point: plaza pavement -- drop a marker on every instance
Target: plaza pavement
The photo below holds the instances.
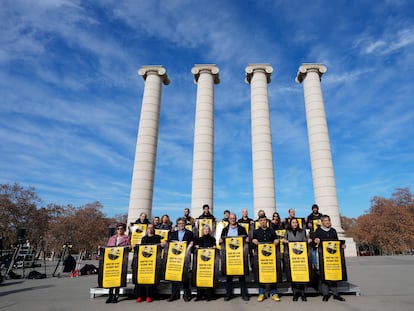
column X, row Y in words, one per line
column 386, row 283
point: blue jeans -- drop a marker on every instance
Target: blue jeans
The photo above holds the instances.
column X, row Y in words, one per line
column 272, row 291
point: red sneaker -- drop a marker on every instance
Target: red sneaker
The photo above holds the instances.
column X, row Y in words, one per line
column 148, row 299
column 139, row 299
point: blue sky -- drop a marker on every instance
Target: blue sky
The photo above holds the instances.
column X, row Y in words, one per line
column 70, row 97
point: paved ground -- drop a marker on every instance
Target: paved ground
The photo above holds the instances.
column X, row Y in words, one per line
column 386, row 283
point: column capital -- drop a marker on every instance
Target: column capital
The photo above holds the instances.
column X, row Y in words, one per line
column 210, row 68
column 251, row 68
column 144, row 71
column 305, row 68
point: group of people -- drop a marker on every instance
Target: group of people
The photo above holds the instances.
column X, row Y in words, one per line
column 313, row 230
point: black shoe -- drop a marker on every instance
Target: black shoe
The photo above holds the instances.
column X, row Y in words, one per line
column 186, row 298
column 171, row 298
column 337, row 297
column 115, row 299
column 227, row 298
column 109, row 300
column 245, row 298
column 304, row 298
column 326, row 297
column 295, row 298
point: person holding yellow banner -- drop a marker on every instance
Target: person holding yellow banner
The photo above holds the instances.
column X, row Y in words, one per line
column 248, row 224
column 205, row 241
column 265, row 234
column 326, row 233
column 119, row 239
column 148, row 290
column 235, row 230
column 314, row 219
column 181, row 234
column 296, row 234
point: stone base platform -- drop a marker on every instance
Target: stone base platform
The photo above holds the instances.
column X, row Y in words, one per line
column 284, row 288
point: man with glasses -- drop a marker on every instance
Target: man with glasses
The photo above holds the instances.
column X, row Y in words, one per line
column 234, row 230
column 181, row 234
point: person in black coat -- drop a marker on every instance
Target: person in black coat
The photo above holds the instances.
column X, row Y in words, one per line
column 265, row 234
column 206, row 240
column 326, row 233
column 181, row 234
column 232, row 230
column 148, row 291
column 314, row 216
column 206, row 213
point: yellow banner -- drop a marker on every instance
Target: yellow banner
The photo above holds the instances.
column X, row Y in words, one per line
column 256, row 225
column 300, row 222
column 205, row 267
column 281, row 235
column 316, row 223
column 175, row 261
column 112, row 267
column 189, row 227
column 137, row 232
column 163, row 234
column 267, row 263
column 147, row 264
column 332, row 260
column 220, row 225
column 299, row 263
column 234, row 256
column 202, row 222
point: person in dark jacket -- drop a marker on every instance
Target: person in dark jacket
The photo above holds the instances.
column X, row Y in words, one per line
column 315, row 216
column 326, row 233
column 148, row 291
column 143, row 219
column 264, row 234
column 232, row 230
column 206, row 240
column 296, row 234
column 276, row 223
column 206, row 213
column 181, row 234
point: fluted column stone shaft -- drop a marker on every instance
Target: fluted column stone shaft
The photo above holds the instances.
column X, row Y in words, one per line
column 205, row 76
column 146, row 148
column 258, row 76
column 320, row 150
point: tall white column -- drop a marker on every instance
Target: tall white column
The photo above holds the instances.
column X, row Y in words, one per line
column 205, row 76
column 142, row 186
column 324, row 186
column 258, row 76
